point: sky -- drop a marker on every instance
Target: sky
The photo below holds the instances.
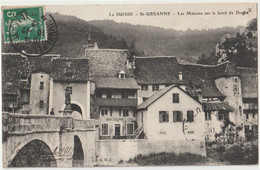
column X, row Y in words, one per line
column 178, row 22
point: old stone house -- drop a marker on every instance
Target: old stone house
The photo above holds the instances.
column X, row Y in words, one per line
column 17, row 74
column 172, row 114
column 209, row 83
column 71, row 75
column 39, row 85
column 114, row 100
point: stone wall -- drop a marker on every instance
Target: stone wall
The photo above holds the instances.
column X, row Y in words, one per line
column 56, row 132
column 110, row 152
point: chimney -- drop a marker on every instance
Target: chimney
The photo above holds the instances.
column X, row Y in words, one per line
column 180, row 76
column 199, row 94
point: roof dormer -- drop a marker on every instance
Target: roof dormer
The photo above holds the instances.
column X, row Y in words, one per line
column 121, row 74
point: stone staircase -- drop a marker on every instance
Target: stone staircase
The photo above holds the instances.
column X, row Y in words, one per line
column 139, row 133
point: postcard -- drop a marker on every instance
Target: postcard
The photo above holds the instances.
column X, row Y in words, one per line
column 166, row 84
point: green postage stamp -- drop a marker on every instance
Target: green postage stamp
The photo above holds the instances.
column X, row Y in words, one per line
column 24, row 24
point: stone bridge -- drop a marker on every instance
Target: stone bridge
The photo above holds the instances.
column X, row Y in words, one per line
column 47, row 141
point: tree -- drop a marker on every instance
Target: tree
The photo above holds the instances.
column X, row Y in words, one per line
column 237, row 50
column 241, row 49
column 210, row 59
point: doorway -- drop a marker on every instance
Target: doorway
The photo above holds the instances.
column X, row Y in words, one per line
column 117, row 130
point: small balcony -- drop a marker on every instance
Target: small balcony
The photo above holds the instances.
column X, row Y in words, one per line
column 116, row 102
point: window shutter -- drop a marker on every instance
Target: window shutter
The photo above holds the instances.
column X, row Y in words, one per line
column 167, row 116
column 174, row 116
column 181, row 116
column 120, row 110
column 160, row 117
column 190, row 116
column 111, row 111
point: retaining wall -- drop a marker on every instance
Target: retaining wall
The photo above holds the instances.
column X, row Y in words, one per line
column 110, row 152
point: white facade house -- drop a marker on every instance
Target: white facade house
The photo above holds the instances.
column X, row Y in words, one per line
column 70, row 75
column 172, row 114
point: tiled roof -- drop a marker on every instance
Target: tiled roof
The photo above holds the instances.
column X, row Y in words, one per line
column 114, row 82
column 156, row 70
column 209, row 89
column 216, row 106
column 12, row 70
column 72, row 69
column 158, row 94
column 16, row 67
column 197, row 73
column 249, row 82
column 107, row 62
column 165, row 70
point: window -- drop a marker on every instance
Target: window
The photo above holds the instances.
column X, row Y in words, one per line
column 255, row 129
column 190, row 116
column 253, row 115
column 41, row 76
column 124, row 94
column 122, row 76
column 235, row 80
column 247, row 116
column 222, row 115
column 68, row 89
column 177, row 116
column 175, row 98
column 25, row 96
column 104, row 129
column 104, row 112
column 163, row 116
column 24, row 78
column 207, row 115
column 144, row 99
column 155, row 87
column 125, row 112
column 246, row 129
column 130, row 128
column 109, row 94
column 41, row 85
column 99, row 93
column 41, row 103
column 144, row 87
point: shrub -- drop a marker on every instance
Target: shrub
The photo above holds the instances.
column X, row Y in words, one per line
column 241, row 154
column 120, row 162
column 221, row 149
column 169, row 159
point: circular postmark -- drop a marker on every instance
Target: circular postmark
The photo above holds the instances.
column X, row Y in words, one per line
column 188, row 125
column 30, row 36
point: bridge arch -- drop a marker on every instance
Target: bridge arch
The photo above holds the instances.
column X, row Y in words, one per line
column 78, row 153
column 77, row 109
column 35, row 153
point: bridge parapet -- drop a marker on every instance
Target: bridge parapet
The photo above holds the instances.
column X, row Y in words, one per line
column 23, row 124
